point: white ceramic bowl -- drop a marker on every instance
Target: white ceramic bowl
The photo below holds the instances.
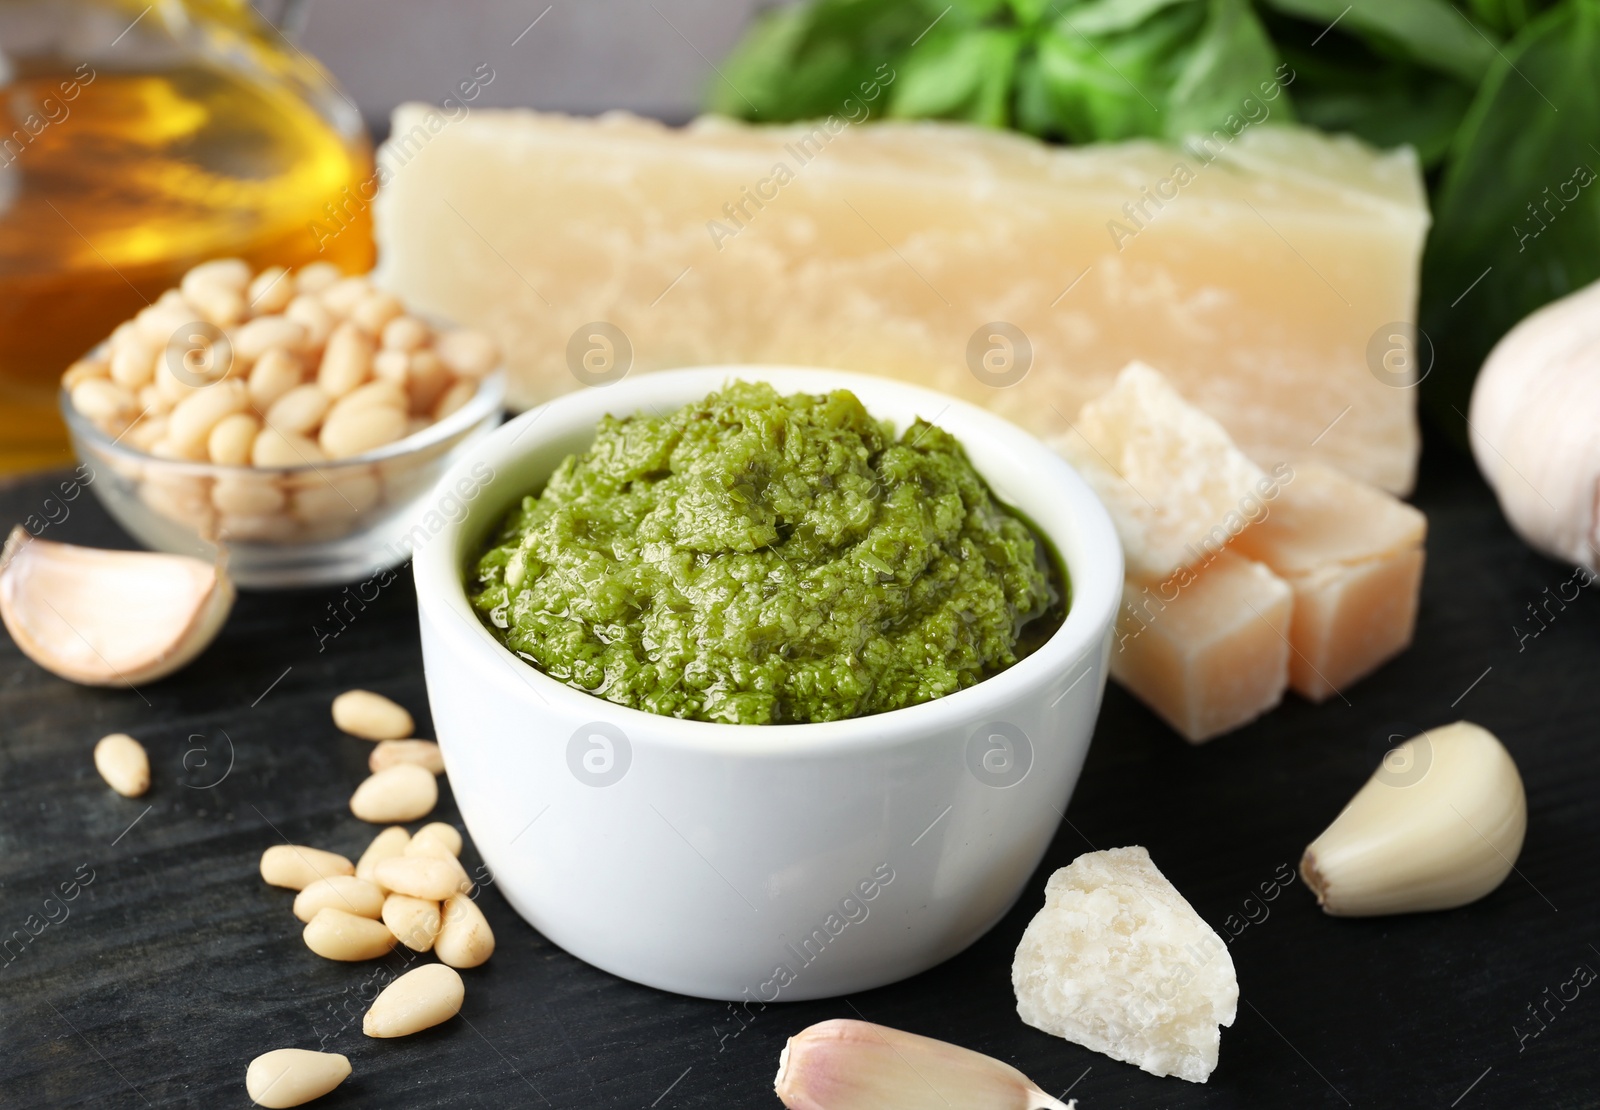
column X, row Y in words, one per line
column 763, row 862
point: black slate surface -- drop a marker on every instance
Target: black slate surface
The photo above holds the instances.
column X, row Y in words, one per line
column 175, row 964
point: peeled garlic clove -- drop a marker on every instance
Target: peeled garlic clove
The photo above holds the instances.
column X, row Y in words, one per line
column 855, row 1065
column 1437, row 826
column 109, row 618
column 1531, row 425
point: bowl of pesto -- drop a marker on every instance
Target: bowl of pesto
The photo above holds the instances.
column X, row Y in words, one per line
column 763, row 683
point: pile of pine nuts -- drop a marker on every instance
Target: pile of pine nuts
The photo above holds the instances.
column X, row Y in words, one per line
column 407, row 888
column 268, row 371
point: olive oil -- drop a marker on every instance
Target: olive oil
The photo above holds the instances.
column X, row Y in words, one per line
column 113, row 182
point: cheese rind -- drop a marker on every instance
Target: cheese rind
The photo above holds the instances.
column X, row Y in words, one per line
column 1169, row 475
column 1353, row 556
column 1257, row 284
column 1208, row 649
column 1119, row 962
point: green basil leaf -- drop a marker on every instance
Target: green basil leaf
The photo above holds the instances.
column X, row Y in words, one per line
column 958, row 75
column 1387, row 103
column 1430, row 32
column 1099, row 17
column 1223, row 75
column 1105, row 87
column 1517, row 213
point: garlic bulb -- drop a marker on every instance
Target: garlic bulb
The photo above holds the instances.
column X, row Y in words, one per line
column 109, row 618
column 855, row 1065
column 1535, row 410
column 1437, row 826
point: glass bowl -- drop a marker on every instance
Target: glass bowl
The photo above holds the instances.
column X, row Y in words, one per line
column 320, row 524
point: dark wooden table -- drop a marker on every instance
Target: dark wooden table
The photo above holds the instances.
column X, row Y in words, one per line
column 173, row 964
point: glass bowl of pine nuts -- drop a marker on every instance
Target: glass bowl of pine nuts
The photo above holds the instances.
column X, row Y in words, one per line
column 293, row 423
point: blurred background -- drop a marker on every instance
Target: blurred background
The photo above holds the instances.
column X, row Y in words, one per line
column 650, row 57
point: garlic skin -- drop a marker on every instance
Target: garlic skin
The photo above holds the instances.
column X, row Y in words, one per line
column 1534, row 411
column 109, row 618
column 1439, row 825
column 855, row 1065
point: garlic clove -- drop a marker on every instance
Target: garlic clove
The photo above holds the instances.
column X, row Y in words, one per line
column 855, row 1065
column 109, row 618
column 1531, row 427
column 1439, row 825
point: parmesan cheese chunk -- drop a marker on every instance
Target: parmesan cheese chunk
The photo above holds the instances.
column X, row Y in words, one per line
column 1353, row 556
column 1119, row 962
column 1207, row 649
column 1254, row 270
column 1171, row 478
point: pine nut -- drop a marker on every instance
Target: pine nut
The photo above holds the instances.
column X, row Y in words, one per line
column 152, row 402
column 375, row 310
column 133, row 364
column 156, row 323
column 122, row 762
column 300, row 410
column 454, row 398
column 169, row 448
column 432, row 877
column 469, row 353
column 403, row 792
column 270, row 290
column 217, row 304
column 392, row 367
column 389, row 844
column 83, row 370
column 253, row 339
column 275, row 373
column 192, row 419
column 366, row 396
column 465, row 939
column 336, row 934
column 171, row 386
column 231, row 438
column 229, row 273
column 313, row 315
column 147, row 432
column 347, row 434
column 336, row 495
column 293, row 1076
column 103, row 400
column 346, row 361
column 341, row 892
column 296, row 867
column 343, row 295
column 419, row 999
column 427, row 380
column 246, row 494
column 256, row 527
column 371, row 716
column 424, row 753
column 415, row 921
column 404, row 333
column 275, row 448
column 435, row 838
column 314, row 277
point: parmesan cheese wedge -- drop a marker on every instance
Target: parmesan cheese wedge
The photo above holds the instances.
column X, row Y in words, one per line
column 1353, row 556
column 1119, row 962
column 1208, row 649
column 1255, row 271
column 1175, row 485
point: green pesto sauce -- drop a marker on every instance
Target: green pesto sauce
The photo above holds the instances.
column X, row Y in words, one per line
column 761, row 559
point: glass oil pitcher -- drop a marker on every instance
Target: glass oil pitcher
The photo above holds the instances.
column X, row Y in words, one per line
column 136, row 140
